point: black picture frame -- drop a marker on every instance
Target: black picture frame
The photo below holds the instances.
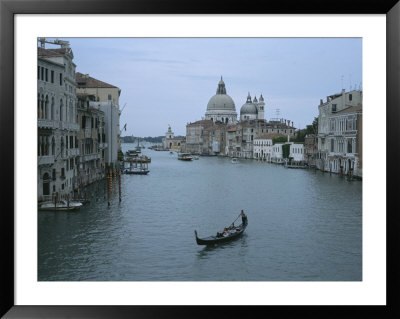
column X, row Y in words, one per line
column 8, row 9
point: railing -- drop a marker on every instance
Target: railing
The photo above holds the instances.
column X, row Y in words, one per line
column 69, row 126
column 89, row 157
column 46, row 123
column 46, row 160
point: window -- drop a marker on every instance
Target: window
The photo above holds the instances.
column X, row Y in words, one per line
column 334, row 106
column 41, row 73
column 60, row 78
column 332, row 145
column 52, row 76
column 349, row 146
column 109, row 97
column 38, row 72
column 47, row 75
column 350, row 97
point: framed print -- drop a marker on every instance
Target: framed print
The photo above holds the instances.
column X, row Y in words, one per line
column 178, row 72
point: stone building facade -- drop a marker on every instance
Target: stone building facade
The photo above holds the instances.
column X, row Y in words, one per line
column 57, row 123
column 106, row 98
column 333, row 104
column 91, row 141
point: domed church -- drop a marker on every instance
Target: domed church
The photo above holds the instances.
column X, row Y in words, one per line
column 221, row 107
column 252, row 110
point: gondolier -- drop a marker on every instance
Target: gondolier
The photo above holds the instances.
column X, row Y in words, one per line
column 244, row 217
column 228, row 234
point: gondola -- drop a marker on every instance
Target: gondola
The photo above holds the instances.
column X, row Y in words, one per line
column 219, row 238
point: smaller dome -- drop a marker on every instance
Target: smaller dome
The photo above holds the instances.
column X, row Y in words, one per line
column 248, row 107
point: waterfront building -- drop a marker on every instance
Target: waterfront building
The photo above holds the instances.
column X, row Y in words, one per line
column 91, row 141
column 220, row 107
column 214, row 139
column 327, row 129
column 57, row 122
column 170, row 142
column 195, row 136
column 277, row 153
column 106, row 99
column 263, row 145
column 310, row 149
column 345, row 141
column 296, row 153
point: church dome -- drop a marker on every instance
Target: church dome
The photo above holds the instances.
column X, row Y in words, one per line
column 221, row 101
column 248, row 107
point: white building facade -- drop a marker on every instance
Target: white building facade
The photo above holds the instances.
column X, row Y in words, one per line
column 296, row 152
column 262, row 149
column 58, row 150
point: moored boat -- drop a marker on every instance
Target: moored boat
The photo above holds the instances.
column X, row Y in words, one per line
column 235, row 160
column 61, row 205
column 228, row 234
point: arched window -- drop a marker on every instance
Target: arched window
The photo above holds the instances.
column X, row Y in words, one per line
column 61, row 109
column 53, row 146
column 42, row 107
column 62, row 146
column 53, row 115
column 46, row 108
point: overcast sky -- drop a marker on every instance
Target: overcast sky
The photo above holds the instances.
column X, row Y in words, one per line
column 170, row 80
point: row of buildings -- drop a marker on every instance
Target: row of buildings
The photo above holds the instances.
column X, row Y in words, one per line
column 335, row 146
column 78, row 124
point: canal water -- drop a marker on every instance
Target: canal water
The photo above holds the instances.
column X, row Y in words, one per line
column 304, row 225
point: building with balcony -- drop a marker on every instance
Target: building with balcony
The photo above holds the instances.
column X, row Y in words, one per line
column 333, row 104
column 57, row 122
column 344, row 139
column 91, row 140
column 105, row 98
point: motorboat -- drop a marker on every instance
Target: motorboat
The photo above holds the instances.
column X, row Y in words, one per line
column 61, row 205
column 185, row 157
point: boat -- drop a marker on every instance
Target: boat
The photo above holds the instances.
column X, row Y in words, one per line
column 295, row 166
column 137, row 171
column 61, row 205
column 226, row 235
column 141, row 169
column 139, row 159
column 235, row 160
column 195, row 157
column 185, row 157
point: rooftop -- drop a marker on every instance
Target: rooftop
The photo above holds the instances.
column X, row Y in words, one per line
column 86, row 81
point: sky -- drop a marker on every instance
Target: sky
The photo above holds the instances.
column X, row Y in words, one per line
column 169, row 81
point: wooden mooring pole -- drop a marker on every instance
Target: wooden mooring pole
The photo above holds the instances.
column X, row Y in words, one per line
column 119, row 184
column 110, row 184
